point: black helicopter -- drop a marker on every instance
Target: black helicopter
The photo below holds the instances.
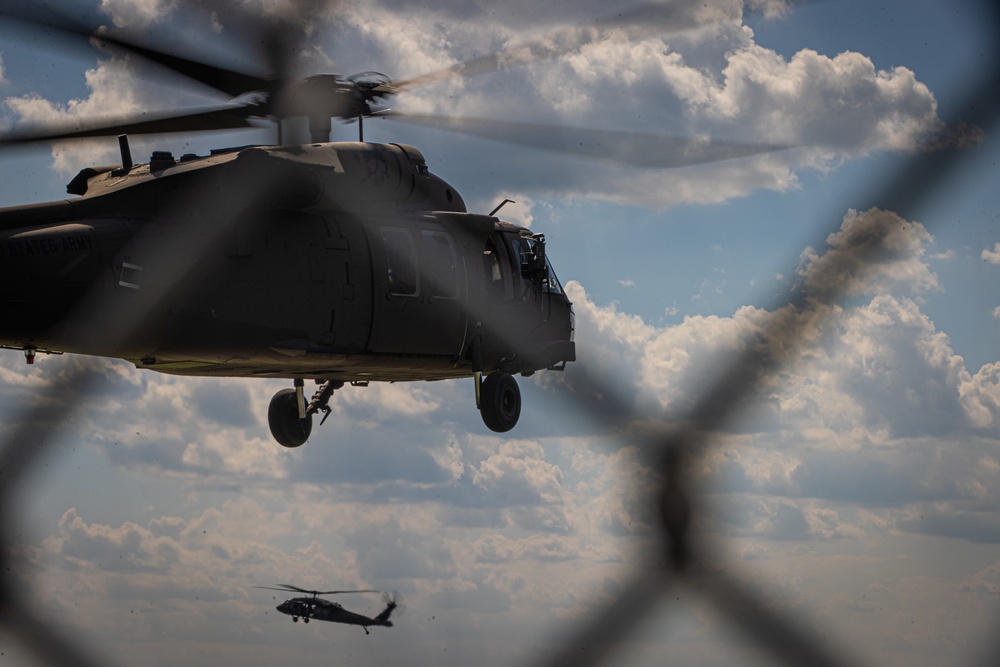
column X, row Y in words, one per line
column 340, row 263
column 316, row 607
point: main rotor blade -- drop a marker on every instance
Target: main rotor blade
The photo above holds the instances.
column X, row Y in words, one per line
column 213, row 118
column 629, row 148
column 232, row 82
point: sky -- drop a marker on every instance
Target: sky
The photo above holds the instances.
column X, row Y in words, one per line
column 857, row 492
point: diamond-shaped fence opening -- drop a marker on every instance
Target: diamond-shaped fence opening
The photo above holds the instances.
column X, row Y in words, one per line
column 679, row 561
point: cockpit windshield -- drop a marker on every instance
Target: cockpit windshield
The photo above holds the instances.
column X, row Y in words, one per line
column 551, row 283
column 527, row 250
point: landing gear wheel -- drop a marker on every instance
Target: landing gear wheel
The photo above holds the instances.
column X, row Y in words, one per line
column 500, row 402
column 283, row 418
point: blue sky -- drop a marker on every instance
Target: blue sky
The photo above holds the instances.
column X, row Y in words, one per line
column 860, row 491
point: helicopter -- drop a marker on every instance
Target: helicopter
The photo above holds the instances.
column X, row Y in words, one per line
column 341, row 263
column 316, row 607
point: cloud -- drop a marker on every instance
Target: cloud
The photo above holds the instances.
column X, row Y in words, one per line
column 871, row 435
column 868, row 408
column 408, row 492
column 138, row 13
column 992, row 255
column 715, row 82
column 986, row 580
column 113, row 94
column 874, row 377
column 875, row 252
column 842, row 103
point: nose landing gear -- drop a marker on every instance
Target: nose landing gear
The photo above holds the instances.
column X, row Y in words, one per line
column 290, row 418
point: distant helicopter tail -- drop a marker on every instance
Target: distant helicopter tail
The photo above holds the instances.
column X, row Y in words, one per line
column 391, row 602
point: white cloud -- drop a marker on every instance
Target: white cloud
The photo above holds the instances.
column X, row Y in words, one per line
column 710, row 83
column 137, row 13
column 875, row 252
column 842, row 102
column 486, row 528
column 113, row 94
column 487, row 535
column 992, row 255
column 874, row 378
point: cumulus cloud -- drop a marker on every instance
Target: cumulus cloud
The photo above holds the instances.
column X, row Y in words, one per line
column 838, row 446
column 113, row 95
column 863, row 410
column 871, row 427
column 875, row 252
column 713, row 83
column 841, row 102
column 992, row 255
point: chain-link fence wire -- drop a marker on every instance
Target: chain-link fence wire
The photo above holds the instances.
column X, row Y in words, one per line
column 676, row 561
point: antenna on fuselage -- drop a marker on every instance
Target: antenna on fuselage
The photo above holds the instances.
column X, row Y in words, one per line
column 501, row 205
column 126, row 153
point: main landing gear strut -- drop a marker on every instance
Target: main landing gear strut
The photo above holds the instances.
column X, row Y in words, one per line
column 290, row 417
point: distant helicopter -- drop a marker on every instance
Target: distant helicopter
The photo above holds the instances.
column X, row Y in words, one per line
column 341, row 263
column 316, row 607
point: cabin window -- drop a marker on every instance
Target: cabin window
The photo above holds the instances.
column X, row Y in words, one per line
column 442, row 264
column 400, row 261
column 498, row 285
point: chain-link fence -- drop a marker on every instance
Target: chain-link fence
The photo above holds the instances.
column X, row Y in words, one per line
column 679, row 560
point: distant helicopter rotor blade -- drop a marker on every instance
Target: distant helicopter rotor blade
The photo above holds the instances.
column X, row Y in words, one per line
column 199, row 120
column 296, row 589
column 628, row 148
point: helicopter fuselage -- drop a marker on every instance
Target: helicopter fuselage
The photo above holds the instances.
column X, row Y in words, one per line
column 308, row 608
column 339, row 262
